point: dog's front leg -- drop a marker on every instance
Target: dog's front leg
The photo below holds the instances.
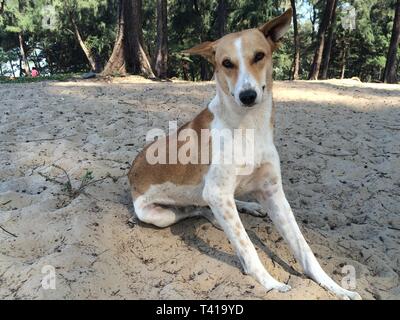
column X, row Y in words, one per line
column 273, row 199
column 223, row 206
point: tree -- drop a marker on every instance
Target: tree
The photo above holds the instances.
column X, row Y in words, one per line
column 74, row 11
column 328, row 47
column 128, row 54
column 296, row 58
column 222, row 17
column 24, row 59
column 18, row 22
column 324, row 23
column 161, row 64
column 89, row 56
column 390, row 75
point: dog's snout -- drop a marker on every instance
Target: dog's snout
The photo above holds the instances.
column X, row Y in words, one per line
column 247, row 97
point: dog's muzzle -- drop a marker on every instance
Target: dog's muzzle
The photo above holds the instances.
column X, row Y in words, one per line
column 248, row 97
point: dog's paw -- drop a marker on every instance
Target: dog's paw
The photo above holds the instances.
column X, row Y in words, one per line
column 350, row 295
column 281, row 287
column 275, row 285
column 252, row 208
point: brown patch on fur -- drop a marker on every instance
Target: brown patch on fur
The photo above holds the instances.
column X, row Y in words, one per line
column 230, row 204
column 142, row 174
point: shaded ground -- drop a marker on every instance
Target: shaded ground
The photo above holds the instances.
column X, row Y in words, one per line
column 339, row 144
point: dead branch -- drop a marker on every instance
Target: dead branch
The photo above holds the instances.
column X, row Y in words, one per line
column 6, row 231
column 50, row 139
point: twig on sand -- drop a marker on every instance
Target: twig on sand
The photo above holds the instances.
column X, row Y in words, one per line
column 50, row 139
column 68, row 185
column 6, row 231
column 128, row 103
column 336, row 154
column 392, row 128
column 7, row 202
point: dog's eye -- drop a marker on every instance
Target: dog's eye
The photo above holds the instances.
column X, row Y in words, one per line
column 228, row 64
column 259, row 56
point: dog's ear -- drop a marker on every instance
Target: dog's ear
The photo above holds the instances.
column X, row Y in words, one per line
column 205, row 49
column 276, row 28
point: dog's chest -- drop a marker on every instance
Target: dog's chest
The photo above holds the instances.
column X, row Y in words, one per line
column 251, row 177
column 251, row 150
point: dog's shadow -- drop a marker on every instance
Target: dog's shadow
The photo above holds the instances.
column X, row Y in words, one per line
column 187, row 230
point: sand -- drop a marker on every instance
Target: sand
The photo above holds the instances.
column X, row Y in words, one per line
column 339, row 143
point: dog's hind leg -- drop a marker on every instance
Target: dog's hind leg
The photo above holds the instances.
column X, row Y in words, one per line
column 159, row 216
column 252, row 208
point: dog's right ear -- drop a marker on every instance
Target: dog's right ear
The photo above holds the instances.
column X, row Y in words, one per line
column 205, row 49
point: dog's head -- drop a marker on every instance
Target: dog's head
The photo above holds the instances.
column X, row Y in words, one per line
column 243, row 60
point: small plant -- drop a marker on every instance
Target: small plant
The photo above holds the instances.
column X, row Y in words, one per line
column 86, row 180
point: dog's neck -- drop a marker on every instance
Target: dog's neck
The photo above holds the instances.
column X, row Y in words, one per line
column 232, row 116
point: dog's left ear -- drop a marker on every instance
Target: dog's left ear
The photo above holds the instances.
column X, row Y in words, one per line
column 276, row 28
column 205, row 49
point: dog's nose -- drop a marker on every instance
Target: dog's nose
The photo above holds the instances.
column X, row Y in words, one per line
column 248, row 97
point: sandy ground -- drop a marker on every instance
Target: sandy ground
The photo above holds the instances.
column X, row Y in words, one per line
column 339, row 144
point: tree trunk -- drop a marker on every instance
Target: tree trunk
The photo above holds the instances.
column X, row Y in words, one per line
column 296, row 58
column 48, row 60
column 37, row 62
column 128, row 54
column 315, row 67
column 22, row 49
column 185, row 69
column 2, row 2
column 89, row 56
column 328, row 48
column 390, row 75
column 161, row 65
column 116, row 63
column 1, row 69
column 141, row 64
column 222, row 17
column 204, row 74
column 12, row 67
column 313, row 19
column 343, row 63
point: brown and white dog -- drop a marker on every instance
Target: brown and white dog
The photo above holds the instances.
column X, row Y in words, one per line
column 243, row 101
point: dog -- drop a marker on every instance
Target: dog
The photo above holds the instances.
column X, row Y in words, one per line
column 243, row 75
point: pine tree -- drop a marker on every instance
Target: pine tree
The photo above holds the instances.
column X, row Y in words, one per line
column 390, row 75
column 128, row 54
column 161, row 64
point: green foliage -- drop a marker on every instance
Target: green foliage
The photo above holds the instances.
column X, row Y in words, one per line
column 189, row 23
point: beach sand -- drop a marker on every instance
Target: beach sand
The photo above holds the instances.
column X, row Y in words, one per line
column 339, row 143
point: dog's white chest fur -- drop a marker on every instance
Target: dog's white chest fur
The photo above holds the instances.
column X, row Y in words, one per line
column 252, row 143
